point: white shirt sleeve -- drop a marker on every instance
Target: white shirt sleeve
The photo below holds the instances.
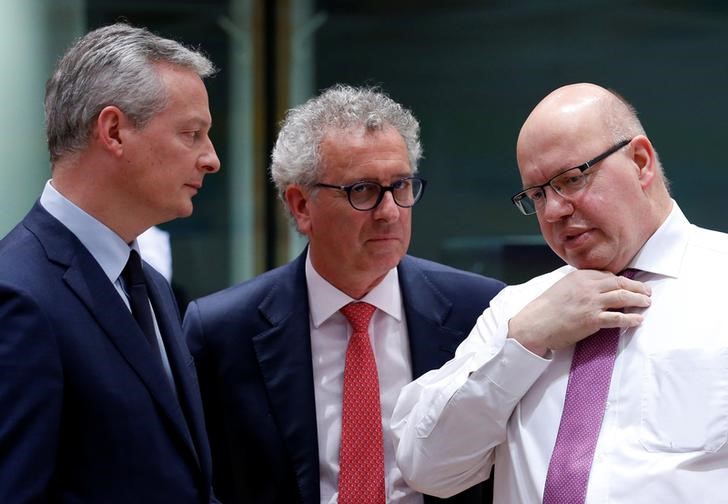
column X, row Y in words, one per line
column 448, row 422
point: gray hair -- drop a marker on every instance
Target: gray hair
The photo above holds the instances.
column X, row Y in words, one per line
column 112, row 65
column 623, row 123
column 621, row 118
column 296, row 157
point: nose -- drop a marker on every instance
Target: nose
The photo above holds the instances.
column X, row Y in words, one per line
column 208, row 160
column 387, row 210
column 556, row 206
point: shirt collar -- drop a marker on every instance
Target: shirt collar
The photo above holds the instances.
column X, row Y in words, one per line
column 109, row 250
column 663, row 252
column 325, row 300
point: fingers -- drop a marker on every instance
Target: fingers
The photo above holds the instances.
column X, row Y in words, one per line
column 626, row 293
column 621, row 298
column 606, row 282
column 603, row 296
column 603, row 281
column 619, row 319
column 632, row 285
column 576, row 306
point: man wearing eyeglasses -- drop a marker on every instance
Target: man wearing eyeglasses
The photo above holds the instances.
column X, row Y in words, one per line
column 605, row 380
column 300, row 368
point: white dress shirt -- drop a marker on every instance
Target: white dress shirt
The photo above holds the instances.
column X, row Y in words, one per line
column 330, row 332
column 106, row 247
column 663, row 437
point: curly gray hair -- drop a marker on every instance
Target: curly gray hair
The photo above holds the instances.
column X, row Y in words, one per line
column 296, row 157
column 112, row 65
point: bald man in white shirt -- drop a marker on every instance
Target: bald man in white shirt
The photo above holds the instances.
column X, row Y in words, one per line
column 507, row 398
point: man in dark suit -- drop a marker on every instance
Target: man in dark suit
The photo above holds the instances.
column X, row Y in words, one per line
column 98, row 392
column 273, row 354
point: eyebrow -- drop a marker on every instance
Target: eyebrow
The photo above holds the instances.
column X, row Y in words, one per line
column 585, row 165
column 196, row 120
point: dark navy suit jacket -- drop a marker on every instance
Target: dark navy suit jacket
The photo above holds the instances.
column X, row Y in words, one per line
column 87, row 413
column 252, row 346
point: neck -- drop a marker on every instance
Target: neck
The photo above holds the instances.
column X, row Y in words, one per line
column 357, row 288
column 355, row 285
column 90, row 192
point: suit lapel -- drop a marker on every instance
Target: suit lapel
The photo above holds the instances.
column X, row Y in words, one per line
column 432, row 343
column 284, row 355
column 87, row 280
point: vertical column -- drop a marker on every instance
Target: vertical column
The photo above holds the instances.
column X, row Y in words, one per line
column 302, row 79
column 249, row 155
column 240, row 28
column 32, row 34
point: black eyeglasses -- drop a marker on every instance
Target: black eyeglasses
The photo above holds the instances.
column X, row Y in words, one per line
column 366, row 196
column 565, row 183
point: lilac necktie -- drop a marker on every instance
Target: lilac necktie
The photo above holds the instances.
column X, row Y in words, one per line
column 581, row 418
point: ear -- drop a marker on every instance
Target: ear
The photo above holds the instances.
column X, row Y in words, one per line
column 110, row 124
column 298, row 201
column 645, row 160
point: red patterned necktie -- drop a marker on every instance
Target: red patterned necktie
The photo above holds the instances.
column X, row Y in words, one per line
column 361, row 459
column 581, row 418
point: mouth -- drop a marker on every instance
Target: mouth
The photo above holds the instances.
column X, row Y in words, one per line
column 384, row 239
column 575, row 238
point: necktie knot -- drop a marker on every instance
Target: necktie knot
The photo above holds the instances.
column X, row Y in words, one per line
column 136, row 287
column 132, row 272
column 358, row 314
column 629, row 273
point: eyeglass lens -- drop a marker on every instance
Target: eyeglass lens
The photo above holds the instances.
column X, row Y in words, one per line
column 366, row 195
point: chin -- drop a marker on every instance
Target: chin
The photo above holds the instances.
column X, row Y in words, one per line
column 184, row 210
column 389, row 262
column 593, row 263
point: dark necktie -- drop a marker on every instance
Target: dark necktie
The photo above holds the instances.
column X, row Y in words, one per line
column 581, row 418
column 361, row 458
column 136, row 287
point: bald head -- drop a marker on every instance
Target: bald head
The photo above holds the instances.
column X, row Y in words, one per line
column 577, row 110
column 624, row 198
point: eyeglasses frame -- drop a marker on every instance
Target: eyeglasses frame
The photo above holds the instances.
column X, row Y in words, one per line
column 516, row 198
column 382, row 190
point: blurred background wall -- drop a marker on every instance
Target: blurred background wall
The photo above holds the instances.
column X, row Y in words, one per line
column 470, row 70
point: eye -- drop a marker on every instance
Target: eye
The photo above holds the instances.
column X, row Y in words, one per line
column 402, row 184
column 570, row 181
column 361, row 187
column 364, row 191
column 535, row 194
column 192, row 134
